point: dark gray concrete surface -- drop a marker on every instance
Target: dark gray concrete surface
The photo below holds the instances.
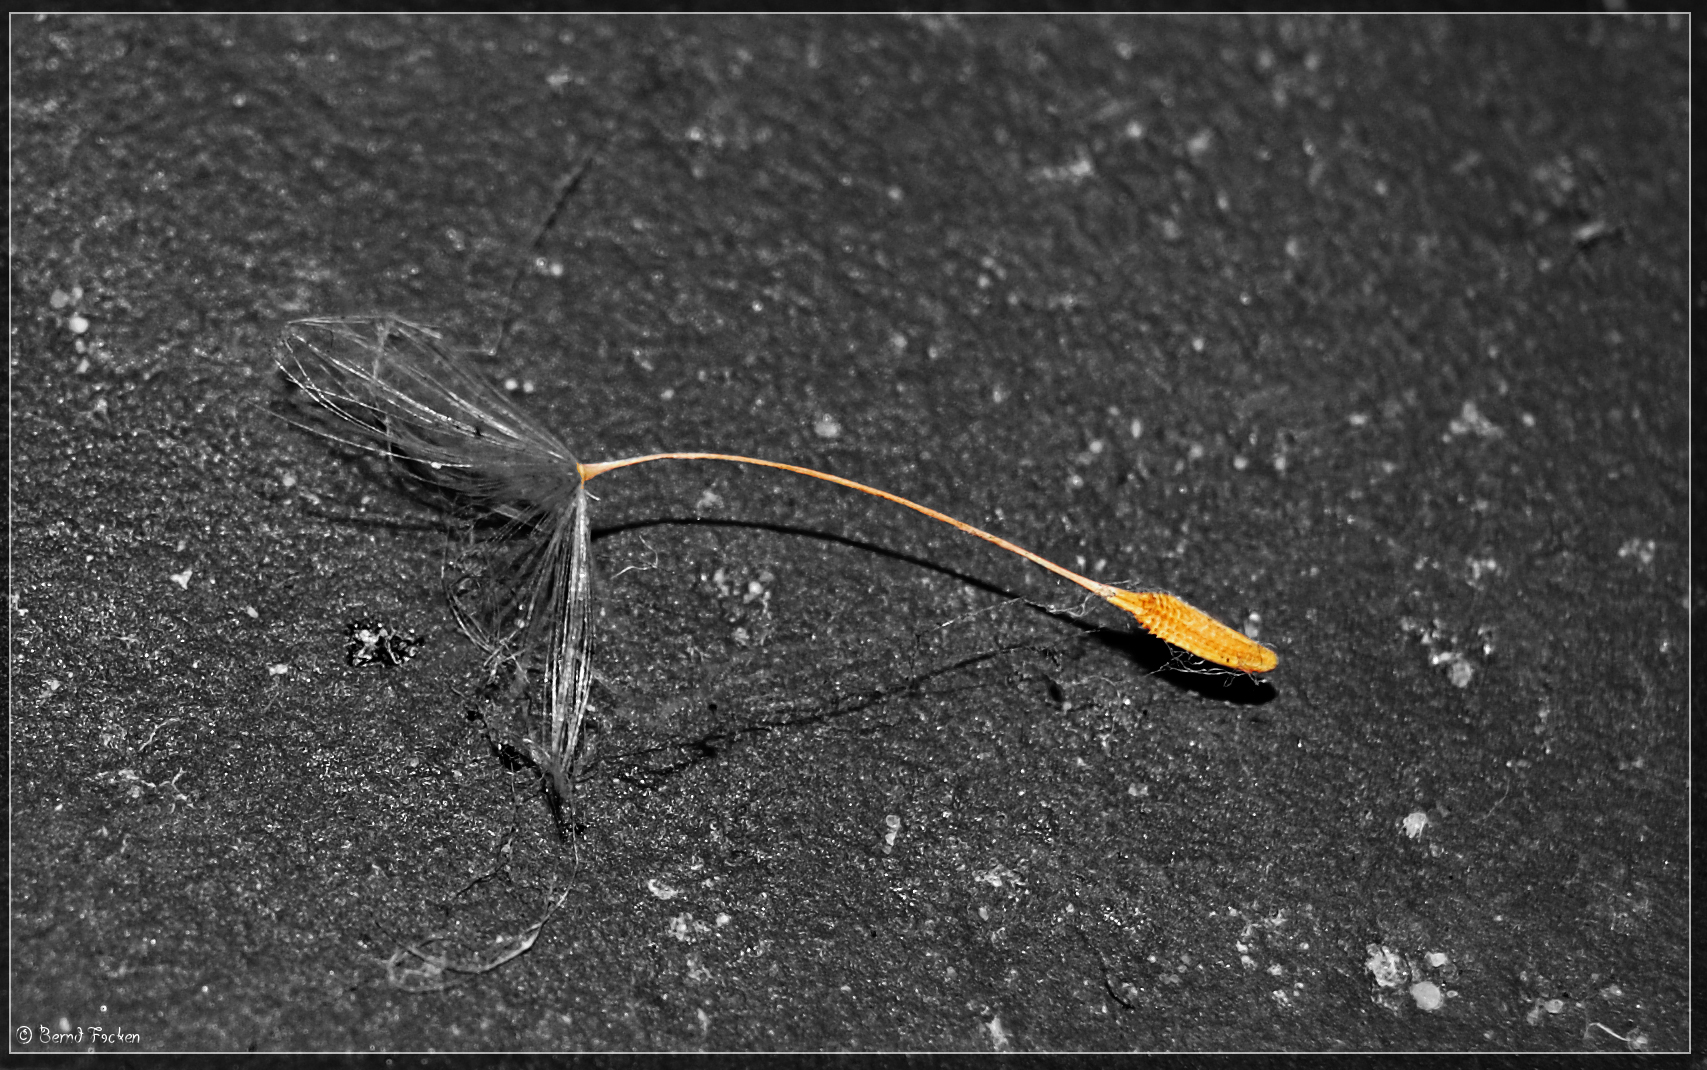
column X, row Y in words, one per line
column 1366, row 331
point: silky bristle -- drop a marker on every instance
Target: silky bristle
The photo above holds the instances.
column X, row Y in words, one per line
column 386, row 385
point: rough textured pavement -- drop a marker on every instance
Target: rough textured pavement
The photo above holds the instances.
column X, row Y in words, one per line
column 1368, row 334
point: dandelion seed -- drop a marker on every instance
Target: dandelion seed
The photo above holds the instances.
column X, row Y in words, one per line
column 387, row 386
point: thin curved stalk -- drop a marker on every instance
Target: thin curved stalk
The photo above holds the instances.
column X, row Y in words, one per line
column 1170, row 619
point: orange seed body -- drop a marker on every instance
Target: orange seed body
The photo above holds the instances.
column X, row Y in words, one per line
column 1191, row 629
